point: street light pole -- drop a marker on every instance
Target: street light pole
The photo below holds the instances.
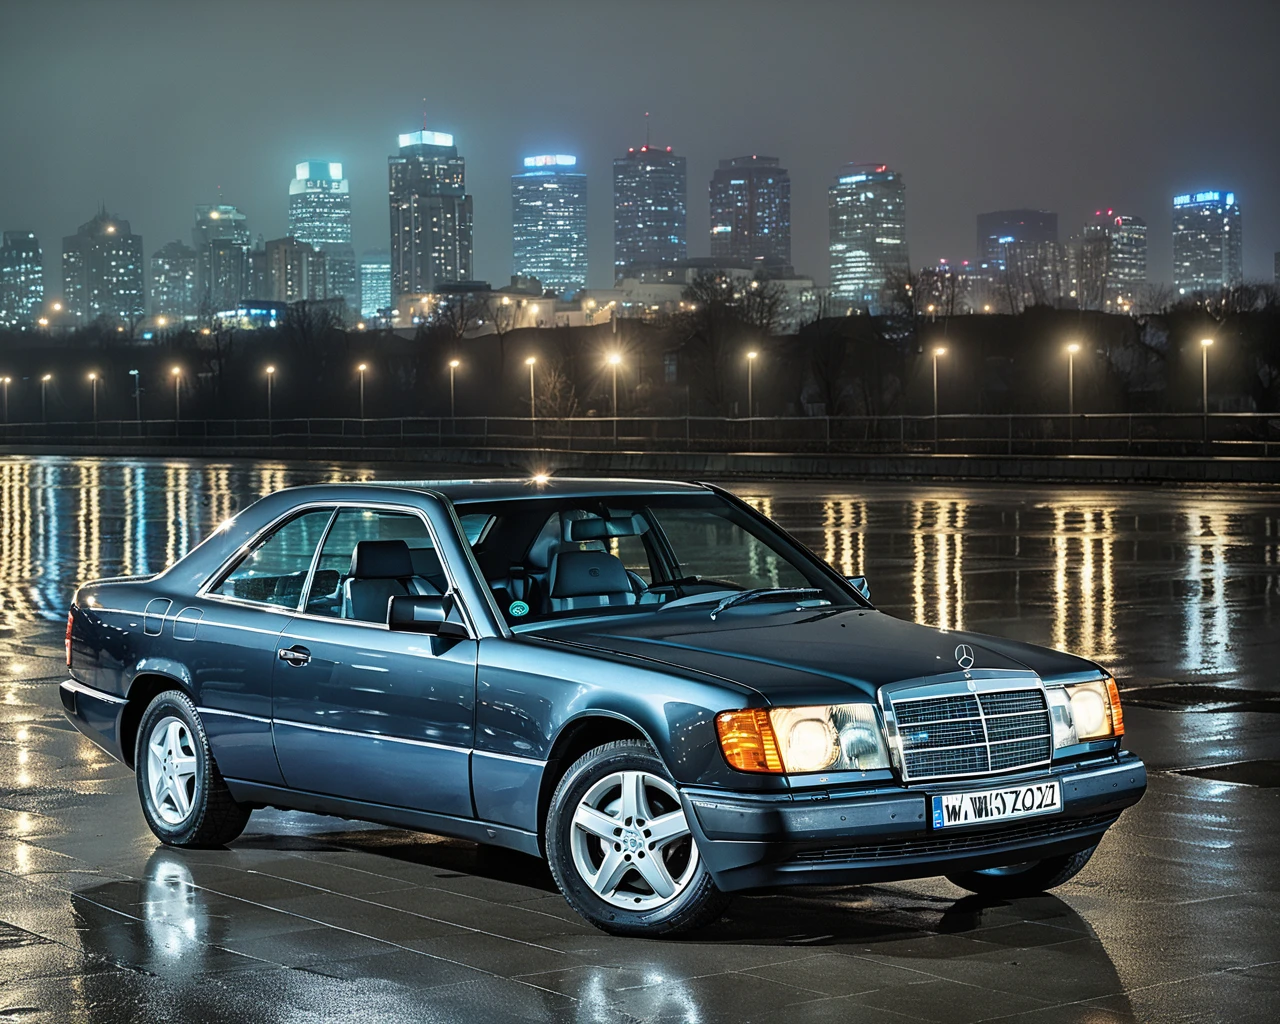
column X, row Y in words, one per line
column 1204, row 385
column 177, row 398
column 1072, row 349
column 936, row 352
column 533, row 412
column 453, row 416
column 5, row 381
column 751, row 401
column 271, row 376
column 614, row 360
column 93, row 384
column 137, row 397
column 362, row 367
column 44, row 383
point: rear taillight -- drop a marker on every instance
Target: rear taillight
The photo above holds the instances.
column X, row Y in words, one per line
column 70, row 614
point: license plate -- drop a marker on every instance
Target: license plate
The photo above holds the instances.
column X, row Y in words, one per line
column 996, row 804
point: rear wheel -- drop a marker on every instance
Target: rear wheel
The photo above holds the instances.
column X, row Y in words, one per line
column 1024, row 879
column 184, row 799
column 621, row 850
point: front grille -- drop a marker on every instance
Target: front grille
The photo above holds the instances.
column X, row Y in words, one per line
column 942, row 842
column 972, row 733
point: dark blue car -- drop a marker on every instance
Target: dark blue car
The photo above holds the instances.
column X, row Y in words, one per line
column 648, row 683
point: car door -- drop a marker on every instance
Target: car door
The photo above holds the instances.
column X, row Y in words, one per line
column 226, row 638
column 365, row 713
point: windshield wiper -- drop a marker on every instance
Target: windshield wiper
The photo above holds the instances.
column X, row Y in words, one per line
column 759, row 594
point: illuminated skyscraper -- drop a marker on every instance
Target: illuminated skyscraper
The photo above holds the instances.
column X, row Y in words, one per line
column 549, row 223
column 174, row 275
column 649, row 208
column 1207, row 242
column 430, row 214
column 295, row 271
column 751, row 210
column 867, row 238
column 320, row 215
column 1110, row 261
column 1003, row 228
column 222, row 240
column 375, row 283
column 102, row 271
column 21, row 279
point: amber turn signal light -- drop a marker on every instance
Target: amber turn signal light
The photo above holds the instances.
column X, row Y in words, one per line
column 1117, row 714
column 748, row 742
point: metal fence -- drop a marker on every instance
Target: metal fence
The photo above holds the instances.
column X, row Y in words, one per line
column 1243, row 435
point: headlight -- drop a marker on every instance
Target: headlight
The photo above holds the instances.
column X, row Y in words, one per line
column 1085, row 711
column 829, row 737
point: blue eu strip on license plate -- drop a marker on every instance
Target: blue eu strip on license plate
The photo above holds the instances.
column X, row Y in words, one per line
column 979, row 806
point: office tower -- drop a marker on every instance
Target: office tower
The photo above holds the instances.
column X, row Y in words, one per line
column 1207, row 242
column 320, row 215
column 102, row 271
column 174, row 276
column 1109, row 261
column 549, row 223
column 1026, row 228
column 649, row 209
column 867, row 233
column 295, row 271
column 751, row 211
column 430, row 214
column 21, row 279
column 375, row 284
column 222, row 241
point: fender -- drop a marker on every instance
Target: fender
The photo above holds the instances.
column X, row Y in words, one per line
column 165, row 667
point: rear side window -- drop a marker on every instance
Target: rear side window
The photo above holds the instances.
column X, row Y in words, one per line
column 275, row 570
column 331, row 591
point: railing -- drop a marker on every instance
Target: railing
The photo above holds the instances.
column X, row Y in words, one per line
column 1243, row 435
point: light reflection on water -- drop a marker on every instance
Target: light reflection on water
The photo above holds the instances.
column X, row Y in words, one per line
column 1187, row 581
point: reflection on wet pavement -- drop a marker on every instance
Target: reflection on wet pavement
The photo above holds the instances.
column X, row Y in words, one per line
column 308, row 918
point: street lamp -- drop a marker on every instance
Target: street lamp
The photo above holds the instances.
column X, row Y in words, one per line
column 93, row 383
column 615, row 361
column 453, row 368
column 137, row 396
column 533, row 412
column 361, row 368
column 940, row 351
column 271, row 376
column 1204, row 384
column 177, row 397
column 44, row 383
column 751, row 423
column 1072, row 349
column 6, row 381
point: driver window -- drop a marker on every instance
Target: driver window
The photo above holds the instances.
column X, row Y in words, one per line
column 400, row 560
column 274, row 572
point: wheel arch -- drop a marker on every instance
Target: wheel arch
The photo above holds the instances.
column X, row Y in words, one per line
column 578, row 735
column 143, row 689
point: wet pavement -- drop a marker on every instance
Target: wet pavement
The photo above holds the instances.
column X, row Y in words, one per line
column 308, row 918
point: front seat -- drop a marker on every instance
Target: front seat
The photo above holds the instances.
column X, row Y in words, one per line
column 380, row 570
column 588, row 579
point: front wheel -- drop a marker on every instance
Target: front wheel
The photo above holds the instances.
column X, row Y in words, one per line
column 1024, row 879
column 621, row 850
column 184, row 799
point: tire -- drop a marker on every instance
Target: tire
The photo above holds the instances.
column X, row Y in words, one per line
column 184, row 799
column 609, row 784
column 1023, row 879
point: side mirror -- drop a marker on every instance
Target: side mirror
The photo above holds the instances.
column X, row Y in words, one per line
column 859, row 583
column 422, row 614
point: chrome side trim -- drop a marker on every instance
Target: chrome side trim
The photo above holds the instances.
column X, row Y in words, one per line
column 233, row 714
column 509, row 757
column 89, row 691
column 370, row 735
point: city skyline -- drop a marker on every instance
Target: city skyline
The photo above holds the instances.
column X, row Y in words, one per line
column 1004, row 148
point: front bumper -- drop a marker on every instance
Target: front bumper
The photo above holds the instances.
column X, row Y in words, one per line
column 96, row 714
column 878, row 835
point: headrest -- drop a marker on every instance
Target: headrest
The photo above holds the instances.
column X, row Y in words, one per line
column 425, row 562
column 588, row 573
column 381, row 560
column 601, row 529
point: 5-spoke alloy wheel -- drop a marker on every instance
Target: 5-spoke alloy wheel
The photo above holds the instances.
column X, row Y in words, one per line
column 621, row 849
column 184, row 798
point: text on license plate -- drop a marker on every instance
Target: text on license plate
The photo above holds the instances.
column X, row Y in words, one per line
column 996, row 804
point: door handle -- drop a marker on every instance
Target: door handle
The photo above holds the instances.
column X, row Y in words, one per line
column 296, row 655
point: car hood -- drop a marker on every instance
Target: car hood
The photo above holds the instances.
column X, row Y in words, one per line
column 793, row 656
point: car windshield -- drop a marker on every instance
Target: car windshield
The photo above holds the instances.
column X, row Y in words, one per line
column 551, row 558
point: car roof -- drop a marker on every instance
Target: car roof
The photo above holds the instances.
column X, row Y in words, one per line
column 503, row 488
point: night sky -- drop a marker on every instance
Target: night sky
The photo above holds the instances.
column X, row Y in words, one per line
column 150, row 107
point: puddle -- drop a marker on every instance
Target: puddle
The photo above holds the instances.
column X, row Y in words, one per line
column 1263, row 773
column 1202, row 697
